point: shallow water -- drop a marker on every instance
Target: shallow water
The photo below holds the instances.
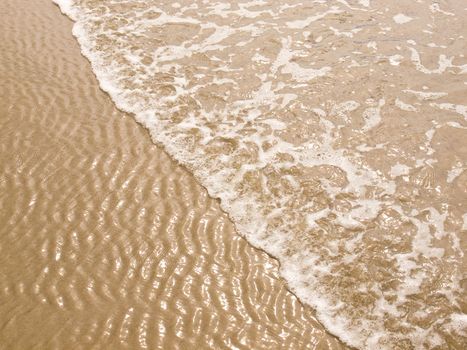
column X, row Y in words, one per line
column 334, row 133
column 105, row 243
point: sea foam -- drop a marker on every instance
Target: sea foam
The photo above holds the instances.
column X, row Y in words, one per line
column 289, row 116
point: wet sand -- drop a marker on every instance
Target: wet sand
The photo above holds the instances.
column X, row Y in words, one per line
column 332, row 132
column 104, row 241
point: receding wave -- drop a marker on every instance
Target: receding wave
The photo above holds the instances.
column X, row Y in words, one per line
column 333, row 132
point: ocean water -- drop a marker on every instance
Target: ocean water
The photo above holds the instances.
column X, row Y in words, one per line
column 333, row 133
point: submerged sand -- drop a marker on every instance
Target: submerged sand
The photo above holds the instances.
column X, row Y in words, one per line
column 104, row 241
column 333, row 133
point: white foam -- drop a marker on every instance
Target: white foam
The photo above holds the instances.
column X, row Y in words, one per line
column 400, row 18
column 300, row 74
column 372, row 116
column 459, row 109
column 344, row 108
column 301, row 24
column 355, row 196
column 426, row 96
column 455, row 172
column 312, row 218
column 348, row 34
column 399, row 170
column 436, row 8
column 372, row 45
column 395, row 60
column 405, row 106
column 443, row 63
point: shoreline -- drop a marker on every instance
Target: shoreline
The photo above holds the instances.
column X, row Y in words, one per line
column 90, row 203
column 185, row 119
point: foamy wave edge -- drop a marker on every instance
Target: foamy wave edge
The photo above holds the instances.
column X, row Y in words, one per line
column 340, row 327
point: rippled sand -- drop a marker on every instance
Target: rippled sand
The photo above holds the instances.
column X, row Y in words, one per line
column 104, row 241
column 332, row 131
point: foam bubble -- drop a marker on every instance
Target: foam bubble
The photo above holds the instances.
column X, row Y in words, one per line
column 400, row 18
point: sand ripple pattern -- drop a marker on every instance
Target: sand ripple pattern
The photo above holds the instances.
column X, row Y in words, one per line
column 105, row 243
column 333, row 132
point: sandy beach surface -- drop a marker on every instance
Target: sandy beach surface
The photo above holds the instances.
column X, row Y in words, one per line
column 105, row 242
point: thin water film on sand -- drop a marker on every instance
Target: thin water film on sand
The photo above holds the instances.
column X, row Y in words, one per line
column 334, row 133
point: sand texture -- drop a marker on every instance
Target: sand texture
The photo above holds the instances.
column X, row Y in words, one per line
column 106, row 243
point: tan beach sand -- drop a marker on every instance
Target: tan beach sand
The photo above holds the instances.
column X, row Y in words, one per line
column 104, row 241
